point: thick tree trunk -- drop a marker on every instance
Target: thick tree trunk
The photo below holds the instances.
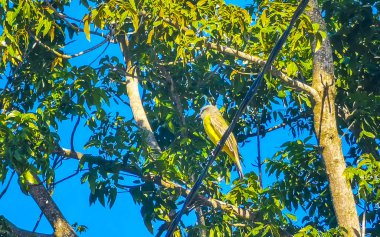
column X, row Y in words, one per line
column 326, row 129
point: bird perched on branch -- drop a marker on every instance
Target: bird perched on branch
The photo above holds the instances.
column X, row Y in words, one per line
column 215, row 126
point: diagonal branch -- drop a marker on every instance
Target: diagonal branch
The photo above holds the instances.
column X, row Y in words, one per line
column 298, row 85
column 173, row 93
column 9, row 229
column 68, row 56
column 7, row 186
column 132, row 85
column 278, row 126
column 206, row 201
column 64, row 18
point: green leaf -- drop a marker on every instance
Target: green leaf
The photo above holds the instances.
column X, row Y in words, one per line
column 150, row 37
column 291, row 216
column 13, row 114
column 85, row 3
column 190, row 33
column 318, row 42
column 281, row 94
column 86, row 26
column 47, row 25
column 29, row 177
column 291, row 69
column 315, row 27
column 133, row 4
column 201, row 2
column 52, row 33
column 135, row 22
column 367, row 134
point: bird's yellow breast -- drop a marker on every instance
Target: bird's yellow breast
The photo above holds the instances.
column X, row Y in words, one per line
column 215, row 136
column 210, row 130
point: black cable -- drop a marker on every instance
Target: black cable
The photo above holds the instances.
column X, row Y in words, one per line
column 252, row 90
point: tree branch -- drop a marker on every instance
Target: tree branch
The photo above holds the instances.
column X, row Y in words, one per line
column 255, row 60
column 242, row 213
column 51, row 211
column 210, row 202
column 201, row 222
column 278, row 126
column 7, row 228
column 63, row 17
column 258, row 61
column 7, row 186
column 174, row 95
column 68, row 56
column 134, row 97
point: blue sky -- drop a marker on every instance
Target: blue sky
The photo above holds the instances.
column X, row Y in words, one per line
column 72, row 197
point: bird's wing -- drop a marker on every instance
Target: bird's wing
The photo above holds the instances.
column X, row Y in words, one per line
column 220, row 126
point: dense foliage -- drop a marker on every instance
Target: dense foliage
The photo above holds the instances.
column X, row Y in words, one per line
column 175, row 50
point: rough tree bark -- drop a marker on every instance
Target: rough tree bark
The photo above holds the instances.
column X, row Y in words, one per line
column 325, row 124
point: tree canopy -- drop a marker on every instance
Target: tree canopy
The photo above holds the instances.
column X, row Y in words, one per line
column 138, row 74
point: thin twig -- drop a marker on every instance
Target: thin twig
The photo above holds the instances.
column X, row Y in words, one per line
column 278, row 126
column 73, row 133
column 348, row 129
column 99, row 54
column 7, row 186
column 37, row 222
column 68, row 56
column 64, row 16
column 174, row 95
column 121, row 99
column 66, row 178
column 126, row 187
column 259, row 164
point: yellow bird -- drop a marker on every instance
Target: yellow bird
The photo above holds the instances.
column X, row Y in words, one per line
column 215, row 126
